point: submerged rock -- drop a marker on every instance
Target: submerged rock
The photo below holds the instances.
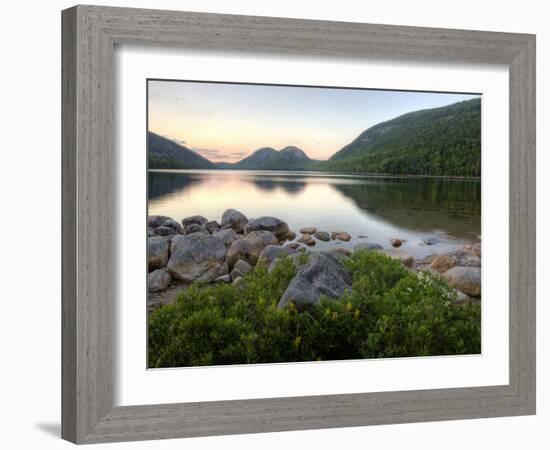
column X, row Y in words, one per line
column 307, row 239
column 158, row 251
column 308, row 230
column 430, row 240
column 322, row 236
column 234, row 219
column 465, row 279
column 341, row 236
column 250, row 247
column 267, row 223
column 158, row 280
column 198, row 257
column 396, row 242
column 367, row 246
column 324, row 274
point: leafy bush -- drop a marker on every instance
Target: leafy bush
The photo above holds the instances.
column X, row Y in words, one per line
column 390, row 312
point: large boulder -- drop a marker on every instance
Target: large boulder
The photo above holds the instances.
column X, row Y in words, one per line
column 272, row 252
column 158, row 280
column 194, row 220
column 465, row 279
column 466, row 259
column 234, row 219
column 194, row 228
column 250, row 247
column 323, row 275
column 442, row 263
column 164, row 221
column 198, row 257
column 212, row 226
column 158, row 251
column 227, row 236
column 165, row 231
column 267, row 223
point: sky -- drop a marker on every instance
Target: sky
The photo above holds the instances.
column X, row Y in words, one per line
column 227, row 122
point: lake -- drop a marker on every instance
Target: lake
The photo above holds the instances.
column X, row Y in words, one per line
column 380, row 208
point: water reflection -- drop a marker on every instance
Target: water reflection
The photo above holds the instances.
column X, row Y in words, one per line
column 382, row 208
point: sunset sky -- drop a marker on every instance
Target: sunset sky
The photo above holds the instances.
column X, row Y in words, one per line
column 227, row 122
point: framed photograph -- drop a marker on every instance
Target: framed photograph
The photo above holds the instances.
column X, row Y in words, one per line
column 277, row 224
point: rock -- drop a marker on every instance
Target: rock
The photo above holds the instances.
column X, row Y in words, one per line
column 343, row 251
column 197, row 257
column 396, row 242
column 430, row 240
column 362, row 236
column 212, row 226
column 223, row 279
column 290, row 236
column 461, row 298
column 293, row 246
column 308, row 230
column 466, row 259
column 236, row 273
column 341, row 235
column 250, row 247
column 307, row 239
column 322, row 236
column 324, row 274
column 164, row 221
column 239, row 282
column 158, row 280
column 194, row 228
column 442, row 263
column 156, row 221
column 406, row 259
column 228, row 236
column 234, row 219
column 476, row 249
column 291, row 259
column 243, row 266
column 301, row 250
column 194, row 220
column 158, row 251
column 151, row 232
column 165, row 231
column 267, row 223
column 465, row 279
column 272, row 252
column 367, row 246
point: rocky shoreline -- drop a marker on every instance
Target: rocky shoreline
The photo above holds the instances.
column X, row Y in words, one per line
column 198, row 249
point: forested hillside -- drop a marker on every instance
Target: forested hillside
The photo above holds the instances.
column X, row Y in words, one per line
column 440, row 141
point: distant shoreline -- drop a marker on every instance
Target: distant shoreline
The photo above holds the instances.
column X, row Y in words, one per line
column 350, row 174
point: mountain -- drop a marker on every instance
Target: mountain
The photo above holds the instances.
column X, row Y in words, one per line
column 166, row 154
column 439, row 141
column 267, row 158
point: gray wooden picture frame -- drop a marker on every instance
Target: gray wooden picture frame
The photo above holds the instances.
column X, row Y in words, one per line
column 90, row 34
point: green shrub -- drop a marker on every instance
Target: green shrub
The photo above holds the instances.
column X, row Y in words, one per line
column 390, row 312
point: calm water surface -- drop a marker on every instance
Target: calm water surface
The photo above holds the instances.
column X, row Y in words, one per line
column 377, row 207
